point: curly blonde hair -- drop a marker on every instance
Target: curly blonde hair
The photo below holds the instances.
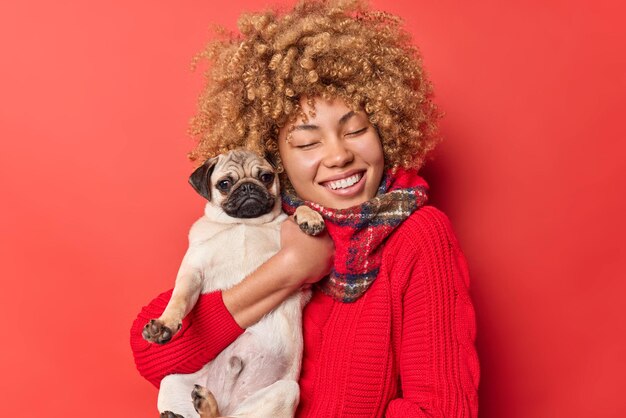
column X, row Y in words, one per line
column 334, row 49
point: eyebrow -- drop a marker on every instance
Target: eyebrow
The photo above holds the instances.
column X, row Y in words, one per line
column 309, row 127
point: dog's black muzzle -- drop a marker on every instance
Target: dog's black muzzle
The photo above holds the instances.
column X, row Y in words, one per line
column 248, row 200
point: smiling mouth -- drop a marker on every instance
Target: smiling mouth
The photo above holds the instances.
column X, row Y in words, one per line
column 344, row 183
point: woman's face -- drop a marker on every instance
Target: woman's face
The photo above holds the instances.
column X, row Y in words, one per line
column 335, row 158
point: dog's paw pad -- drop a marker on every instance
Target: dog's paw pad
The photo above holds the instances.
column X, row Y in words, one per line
column 311, row 228
column 170, row 414
column 156, row 331
column 309, row 221
column 204, row 402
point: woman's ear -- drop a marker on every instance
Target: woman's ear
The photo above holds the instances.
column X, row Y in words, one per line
column 201, row 177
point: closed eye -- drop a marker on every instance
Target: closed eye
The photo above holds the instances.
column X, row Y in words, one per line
column 307, row 146
column 358, row 132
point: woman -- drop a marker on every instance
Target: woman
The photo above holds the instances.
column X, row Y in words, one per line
column 337, row 94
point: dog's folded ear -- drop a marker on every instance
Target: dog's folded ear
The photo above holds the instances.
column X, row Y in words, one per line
column 200, row 178
column 271, row 159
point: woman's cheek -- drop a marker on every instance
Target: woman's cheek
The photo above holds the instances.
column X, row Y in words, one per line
column 298, row 169
column 307, row 163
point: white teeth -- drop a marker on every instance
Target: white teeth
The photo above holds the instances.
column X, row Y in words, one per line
column 343, row 183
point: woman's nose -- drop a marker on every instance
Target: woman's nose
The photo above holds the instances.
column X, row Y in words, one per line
column 337, row 154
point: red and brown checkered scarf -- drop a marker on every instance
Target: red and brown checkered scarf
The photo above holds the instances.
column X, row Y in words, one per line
column 359, row 232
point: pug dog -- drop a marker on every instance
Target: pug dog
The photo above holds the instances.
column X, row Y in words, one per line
column 256, row 376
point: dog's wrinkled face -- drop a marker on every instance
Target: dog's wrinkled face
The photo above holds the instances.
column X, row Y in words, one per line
column 242, row 183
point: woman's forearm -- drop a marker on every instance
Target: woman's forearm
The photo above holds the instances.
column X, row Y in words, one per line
column 205, row 332
column 218, row 317
column 214, row 323
column 260, row 292
column 302, row 259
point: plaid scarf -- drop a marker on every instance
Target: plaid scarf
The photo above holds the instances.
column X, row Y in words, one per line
column 359, row 232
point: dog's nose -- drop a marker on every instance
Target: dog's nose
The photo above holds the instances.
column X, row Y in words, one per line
column 246, row 187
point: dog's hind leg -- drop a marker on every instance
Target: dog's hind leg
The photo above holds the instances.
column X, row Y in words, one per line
column 204, row 402
column 174, row 396
column 170, row 414
column 278, row 400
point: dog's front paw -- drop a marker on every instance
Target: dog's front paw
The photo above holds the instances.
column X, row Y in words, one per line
column 156, row 331
column 170, row 414
column 204, row 402
column 308, row 220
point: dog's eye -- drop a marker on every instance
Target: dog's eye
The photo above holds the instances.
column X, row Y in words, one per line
column 267, row 177
column 223, row 185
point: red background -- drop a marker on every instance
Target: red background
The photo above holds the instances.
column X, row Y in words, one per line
column 95, row 99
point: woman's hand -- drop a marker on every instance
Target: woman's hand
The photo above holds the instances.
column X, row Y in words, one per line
column 307, row 258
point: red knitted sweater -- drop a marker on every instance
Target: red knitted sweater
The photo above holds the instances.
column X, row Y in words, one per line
column 404, row 349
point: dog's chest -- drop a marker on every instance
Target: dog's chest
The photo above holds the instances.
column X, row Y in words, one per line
column 235, row 251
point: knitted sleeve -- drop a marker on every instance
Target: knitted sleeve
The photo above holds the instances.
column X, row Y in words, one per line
column 439, row 368
column 206, row 331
